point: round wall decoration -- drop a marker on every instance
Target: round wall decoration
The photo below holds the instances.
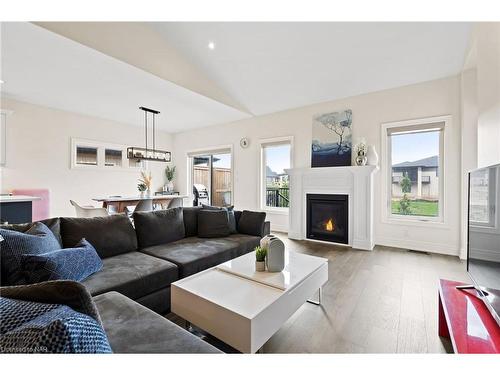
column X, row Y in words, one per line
column 244, row 142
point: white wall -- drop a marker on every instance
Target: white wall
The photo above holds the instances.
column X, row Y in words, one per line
column 435, row 98
column 487, row 36
column 38, row 155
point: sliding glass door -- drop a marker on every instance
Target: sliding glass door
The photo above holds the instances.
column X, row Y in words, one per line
column 212, row 178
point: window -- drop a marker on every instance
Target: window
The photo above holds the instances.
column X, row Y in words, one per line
column 88, row 154
column 113, row 158
column 212, row 177
column 483, row 197
column 276, row 156
column 413, row 163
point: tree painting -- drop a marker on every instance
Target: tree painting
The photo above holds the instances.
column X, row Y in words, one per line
column 331, row 145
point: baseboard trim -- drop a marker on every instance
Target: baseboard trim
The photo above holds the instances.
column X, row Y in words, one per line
column 362, row 245
column 279, row 228
column 431, row 247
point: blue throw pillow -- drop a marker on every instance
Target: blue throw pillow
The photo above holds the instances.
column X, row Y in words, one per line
column 75, row 264
column 38, row 239
column 33, row 327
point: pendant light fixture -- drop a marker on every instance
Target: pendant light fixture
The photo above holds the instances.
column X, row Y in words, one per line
column 139, row 153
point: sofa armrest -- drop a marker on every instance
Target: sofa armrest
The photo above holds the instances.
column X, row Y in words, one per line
column 266, row 229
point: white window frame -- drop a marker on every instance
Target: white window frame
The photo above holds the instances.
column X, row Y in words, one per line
column 101, row 157
column 221, row 149
column 262, row 180
column 386, row 171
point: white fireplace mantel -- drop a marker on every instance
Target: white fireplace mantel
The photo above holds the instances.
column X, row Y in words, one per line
column 356, row 182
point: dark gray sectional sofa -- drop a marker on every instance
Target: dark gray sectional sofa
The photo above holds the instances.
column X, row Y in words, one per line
column 140, row 263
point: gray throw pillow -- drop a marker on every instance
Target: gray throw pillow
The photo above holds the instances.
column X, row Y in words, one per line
column 37, row 240
column 110, row 235
column 213, row 223
column 230, row 215
column 159, row 227
column 190, row 215
column 252, row 223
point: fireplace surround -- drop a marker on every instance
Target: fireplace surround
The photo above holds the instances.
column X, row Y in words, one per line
column 328, row 217
column 355, row 182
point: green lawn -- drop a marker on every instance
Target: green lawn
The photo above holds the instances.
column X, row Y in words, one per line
column 419, row 208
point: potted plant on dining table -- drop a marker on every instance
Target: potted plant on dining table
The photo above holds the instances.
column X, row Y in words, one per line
column 145, row 183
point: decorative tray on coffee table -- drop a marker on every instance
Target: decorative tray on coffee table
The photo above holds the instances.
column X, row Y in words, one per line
column 294, row 272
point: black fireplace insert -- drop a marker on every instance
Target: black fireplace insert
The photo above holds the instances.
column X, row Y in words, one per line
column 328, row 217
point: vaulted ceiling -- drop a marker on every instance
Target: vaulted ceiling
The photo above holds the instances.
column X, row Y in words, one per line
column 110, row 69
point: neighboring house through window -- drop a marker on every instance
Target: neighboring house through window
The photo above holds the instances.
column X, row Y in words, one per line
column 413, row 164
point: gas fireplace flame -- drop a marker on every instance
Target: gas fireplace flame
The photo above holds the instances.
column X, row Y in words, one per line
column 329, row 225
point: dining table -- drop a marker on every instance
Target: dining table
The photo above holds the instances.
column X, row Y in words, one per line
column 118, row 203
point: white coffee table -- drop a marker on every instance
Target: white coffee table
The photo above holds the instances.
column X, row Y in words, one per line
column 244, row 308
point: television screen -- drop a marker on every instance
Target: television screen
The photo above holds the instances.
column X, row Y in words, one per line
column 483, row 261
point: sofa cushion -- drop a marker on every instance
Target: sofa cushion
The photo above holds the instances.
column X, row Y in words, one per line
column 230, row 216
column 190, row 215
column 132, row 328
column 53, row 224
column 251, row 223
column 74, row 264
column 213, row 224
column 37, row 240
column 159, row 227
column 194, row 254
column 110, row 235
column 246, row 243
column 133, row 274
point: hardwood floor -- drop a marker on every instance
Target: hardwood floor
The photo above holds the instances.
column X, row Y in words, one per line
column 380, row 301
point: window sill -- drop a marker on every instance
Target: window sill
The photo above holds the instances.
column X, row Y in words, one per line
column 439, row 224
column 275, row 211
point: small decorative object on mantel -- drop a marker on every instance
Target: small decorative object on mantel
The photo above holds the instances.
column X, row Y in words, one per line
column 260, row 259
column 145, row 180
column 361, row 151
column 275, row 259
column 169, row 174
column 244, row 142
column 331, row 139
column 372, row 156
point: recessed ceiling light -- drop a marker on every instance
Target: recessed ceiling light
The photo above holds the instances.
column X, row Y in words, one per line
column 1, row 81
column 211, row 45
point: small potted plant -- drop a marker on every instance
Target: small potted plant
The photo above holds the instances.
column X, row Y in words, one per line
column 146, row 180
column 260, row 258
column 142, row 188
column 169, row 174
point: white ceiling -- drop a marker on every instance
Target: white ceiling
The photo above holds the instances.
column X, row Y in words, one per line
column 268, row 67
column 44, row 68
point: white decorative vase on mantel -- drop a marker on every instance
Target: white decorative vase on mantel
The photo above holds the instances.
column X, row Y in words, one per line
column 169, row 186
column 372, row 156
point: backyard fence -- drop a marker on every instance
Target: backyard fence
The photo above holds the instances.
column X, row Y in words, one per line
column 221, row 183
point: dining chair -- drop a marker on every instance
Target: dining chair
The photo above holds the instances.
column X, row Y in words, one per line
column 175, row 202
column 144, row 205
column 88, row 211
